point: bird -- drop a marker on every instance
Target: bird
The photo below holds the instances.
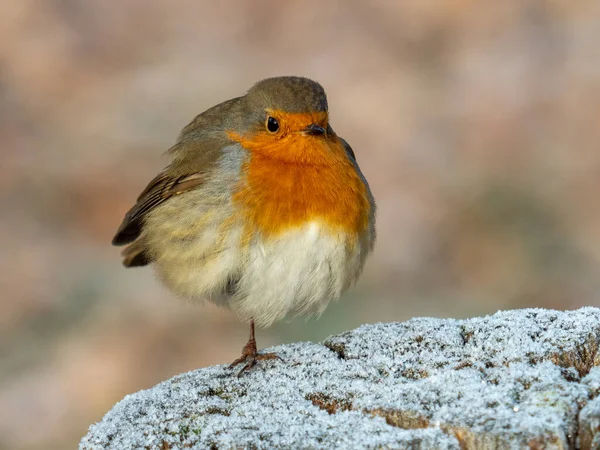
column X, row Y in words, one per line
column 262, row 209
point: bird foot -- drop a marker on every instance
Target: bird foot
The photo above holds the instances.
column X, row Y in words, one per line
column 250, row 356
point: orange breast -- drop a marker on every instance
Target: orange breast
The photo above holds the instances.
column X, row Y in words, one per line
column 299, row 179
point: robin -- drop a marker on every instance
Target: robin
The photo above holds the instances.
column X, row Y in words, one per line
column 262, row 209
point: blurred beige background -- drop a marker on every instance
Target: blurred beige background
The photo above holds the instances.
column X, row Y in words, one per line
column 476, row 123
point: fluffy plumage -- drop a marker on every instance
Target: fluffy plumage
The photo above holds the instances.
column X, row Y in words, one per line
column 266, row 223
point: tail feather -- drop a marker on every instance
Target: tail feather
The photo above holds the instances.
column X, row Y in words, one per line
column 135, row 255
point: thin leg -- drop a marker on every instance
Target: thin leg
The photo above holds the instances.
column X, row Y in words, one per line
column 250, row 355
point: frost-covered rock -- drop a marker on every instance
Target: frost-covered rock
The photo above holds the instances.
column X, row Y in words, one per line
column 517, row 379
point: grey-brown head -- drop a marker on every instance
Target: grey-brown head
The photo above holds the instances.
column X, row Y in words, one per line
column 288, row 94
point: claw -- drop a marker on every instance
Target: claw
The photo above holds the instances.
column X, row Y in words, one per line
column 251, row 360
column 249, row 354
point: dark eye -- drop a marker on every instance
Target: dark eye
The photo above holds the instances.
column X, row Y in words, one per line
column 272, row 124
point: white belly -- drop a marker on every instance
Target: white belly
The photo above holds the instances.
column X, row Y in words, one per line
column 299, row 272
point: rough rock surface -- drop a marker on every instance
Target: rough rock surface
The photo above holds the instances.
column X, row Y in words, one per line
column 516, row 379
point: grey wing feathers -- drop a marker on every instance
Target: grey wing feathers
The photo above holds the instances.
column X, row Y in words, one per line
column 163, row 186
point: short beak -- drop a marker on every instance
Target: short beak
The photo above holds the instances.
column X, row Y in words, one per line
column 315, row 130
